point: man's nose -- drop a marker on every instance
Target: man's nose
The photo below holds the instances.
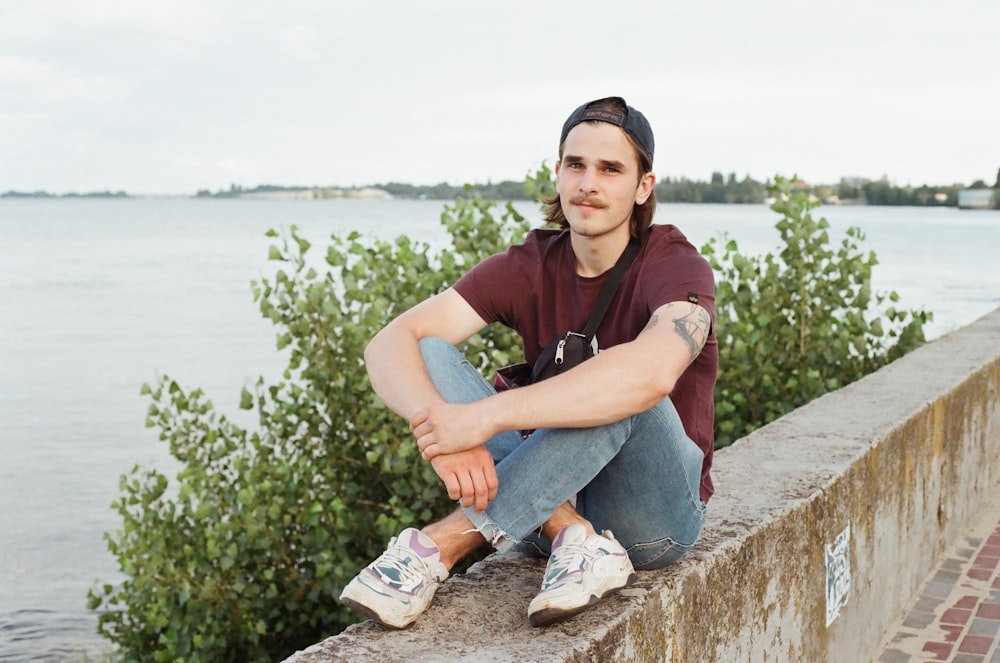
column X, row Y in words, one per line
column 588, row 181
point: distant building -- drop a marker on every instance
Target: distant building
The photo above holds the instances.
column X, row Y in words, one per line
column 976, row 199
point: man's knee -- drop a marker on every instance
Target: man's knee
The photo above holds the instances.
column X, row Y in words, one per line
column 432, row 345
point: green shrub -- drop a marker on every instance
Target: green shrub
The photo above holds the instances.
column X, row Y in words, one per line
column 245, row 558
column 798, row 324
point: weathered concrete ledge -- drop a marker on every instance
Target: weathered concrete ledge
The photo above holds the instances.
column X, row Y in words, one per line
column 899, row 460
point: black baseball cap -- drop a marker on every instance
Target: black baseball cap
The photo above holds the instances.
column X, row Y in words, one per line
column 631, row 121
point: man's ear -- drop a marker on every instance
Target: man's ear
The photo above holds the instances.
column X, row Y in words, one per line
column 645, row 188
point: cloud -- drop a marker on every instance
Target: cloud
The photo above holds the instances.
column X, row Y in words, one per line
column 301, row 42
column 354, row 93
column 29, row 80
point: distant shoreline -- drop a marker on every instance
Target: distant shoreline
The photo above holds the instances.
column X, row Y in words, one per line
column 46, row 194
column 850, row 191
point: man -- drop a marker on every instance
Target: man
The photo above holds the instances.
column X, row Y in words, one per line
column 622, row 443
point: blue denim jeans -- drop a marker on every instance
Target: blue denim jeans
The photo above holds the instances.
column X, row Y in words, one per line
column 638, row 477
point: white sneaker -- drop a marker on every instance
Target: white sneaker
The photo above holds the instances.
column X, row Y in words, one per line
column 398, row 586
column 581, row 571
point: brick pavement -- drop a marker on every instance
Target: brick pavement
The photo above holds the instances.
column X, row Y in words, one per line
column 956, row 614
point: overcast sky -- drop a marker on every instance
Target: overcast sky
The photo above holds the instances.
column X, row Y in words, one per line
column 176, row 96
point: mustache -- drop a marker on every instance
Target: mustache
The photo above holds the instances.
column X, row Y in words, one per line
column 582, row 199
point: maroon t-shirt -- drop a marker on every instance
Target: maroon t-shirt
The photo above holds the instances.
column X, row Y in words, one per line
column 534, row 289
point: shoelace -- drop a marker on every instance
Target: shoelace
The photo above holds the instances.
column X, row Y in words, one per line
column 411, row 569
column 568, row 558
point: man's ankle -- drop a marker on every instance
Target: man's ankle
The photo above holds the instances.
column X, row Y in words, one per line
column 563, row 517
column 454, row 538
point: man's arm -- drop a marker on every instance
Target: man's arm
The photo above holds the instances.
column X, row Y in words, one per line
column 393, row 358
column 400, row 378
column 619, row 382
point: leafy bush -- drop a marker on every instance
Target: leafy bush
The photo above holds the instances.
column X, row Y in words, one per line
column 245, row 559
column 798, row 324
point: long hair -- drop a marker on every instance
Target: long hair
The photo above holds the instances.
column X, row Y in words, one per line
column 642, row 215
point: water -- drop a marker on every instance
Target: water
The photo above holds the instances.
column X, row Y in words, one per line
column 99, row 296
column 940, row 259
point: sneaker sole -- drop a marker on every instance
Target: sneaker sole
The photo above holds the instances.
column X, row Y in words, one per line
column 547, row 616
column 368, row 612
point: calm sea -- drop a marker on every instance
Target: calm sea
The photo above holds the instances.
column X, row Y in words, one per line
column 99, row 296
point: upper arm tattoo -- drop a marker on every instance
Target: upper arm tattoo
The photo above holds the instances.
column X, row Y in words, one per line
column 691, row 325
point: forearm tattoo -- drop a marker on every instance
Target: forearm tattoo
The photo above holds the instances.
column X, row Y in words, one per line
column 692, row 326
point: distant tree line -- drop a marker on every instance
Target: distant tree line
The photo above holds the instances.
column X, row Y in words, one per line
column 718, row 189
column 722, row 189
column 46, row 194
column 508, row 190
column 850, row 191
column 237, row 190
column 882, row 192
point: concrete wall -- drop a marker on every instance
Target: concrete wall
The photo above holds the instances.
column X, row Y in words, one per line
column 899, row 461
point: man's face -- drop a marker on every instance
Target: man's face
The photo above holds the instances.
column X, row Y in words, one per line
column 598, row 180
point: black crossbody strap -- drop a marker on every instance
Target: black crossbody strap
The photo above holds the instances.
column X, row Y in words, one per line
column 610, row 288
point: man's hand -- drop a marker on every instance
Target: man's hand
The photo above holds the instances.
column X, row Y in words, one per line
column 448, row 428
column 469, row 476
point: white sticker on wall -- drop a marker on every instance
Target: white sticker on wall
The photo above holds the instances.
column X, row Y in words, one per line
column 838, row 574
